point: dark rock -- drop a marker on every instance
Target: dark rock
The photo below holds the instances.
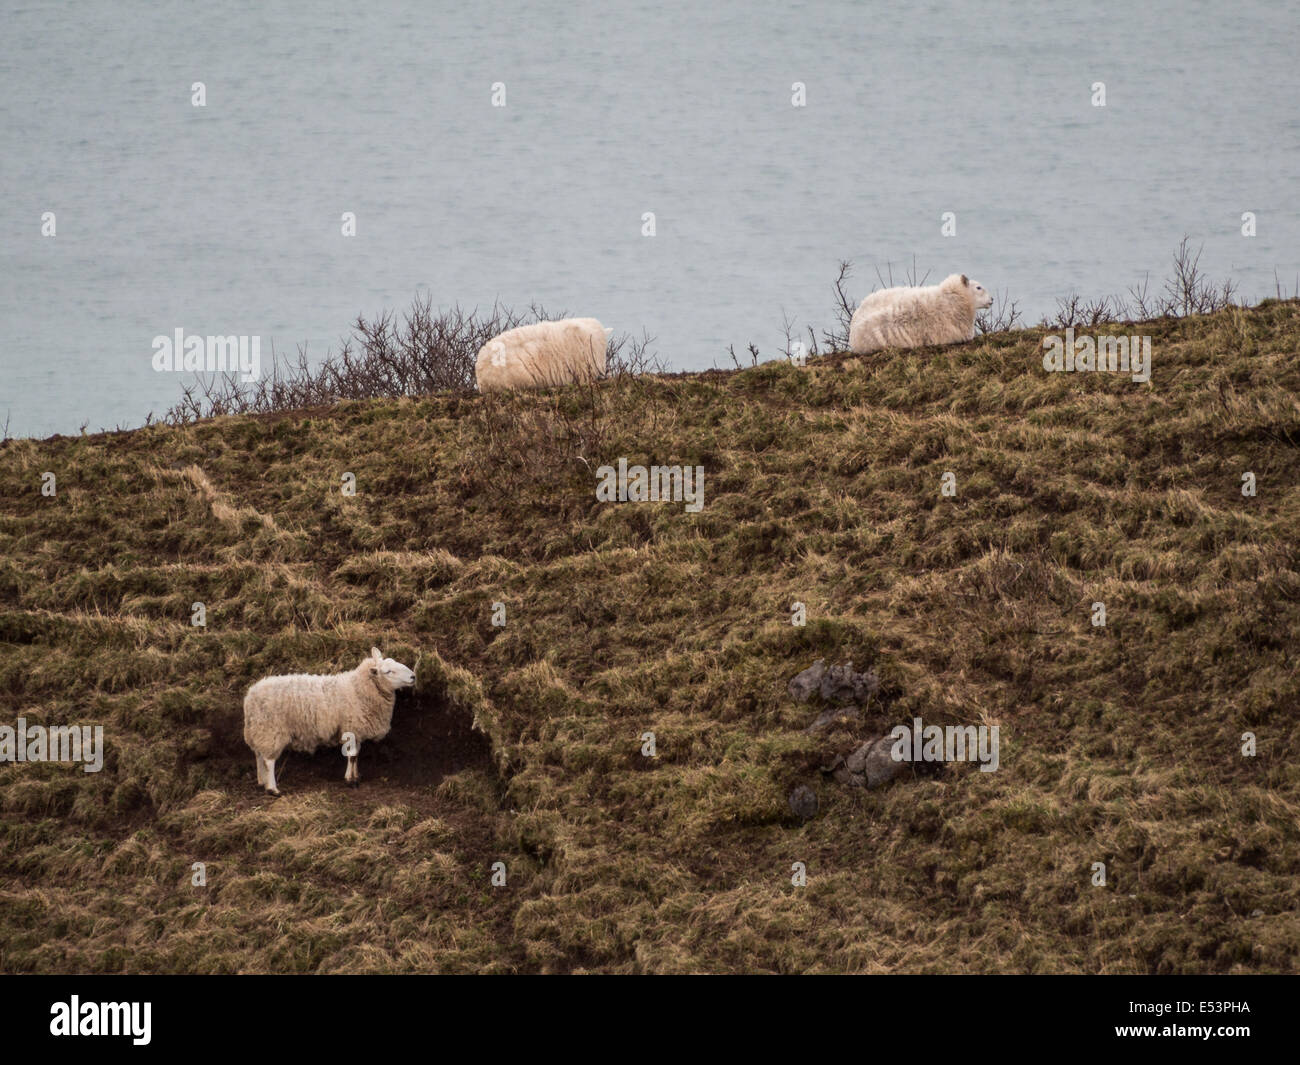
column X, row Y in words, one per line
column 807, row 682
column 838, row 684
column 879, row 766
column 870, row 766
column 842, row 684
column 803, row 802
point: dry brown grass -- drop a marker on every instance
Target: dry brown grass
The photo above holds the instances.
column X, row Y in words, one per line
column 1119, row 745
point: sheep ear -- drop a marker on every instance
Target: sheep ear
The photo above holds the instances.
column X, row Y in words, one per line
column 374, row 653
column 965, row 280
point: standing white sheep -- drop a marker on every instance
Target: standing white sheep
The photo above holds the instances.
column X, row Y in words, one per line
column 543, row 354
column 303, row 711
column 910, row 317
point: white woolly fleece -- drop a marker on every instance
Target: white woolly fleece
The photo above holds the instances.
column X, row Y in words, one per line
column 304, row 711
column 909, row 317
column 543, row 354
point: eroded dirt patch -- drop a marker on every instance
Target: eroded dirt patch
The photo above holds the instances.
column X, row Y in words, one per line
column 429, row 740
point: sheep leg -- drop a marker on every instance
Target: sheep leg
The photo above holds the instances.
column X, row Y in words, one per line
column 270, row 776
column 352, row 776
column 261, row 769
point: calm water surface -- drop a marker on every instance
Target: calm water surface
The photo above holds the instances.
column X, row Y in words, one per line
column 226, row 219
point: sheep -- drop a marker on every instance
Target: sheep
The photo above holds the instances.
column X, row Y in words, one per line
column 542, row 354
column 907, row 317
column 303, row 711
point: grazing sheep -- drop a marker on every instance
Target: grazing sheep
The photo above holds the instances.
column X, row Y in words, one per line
column 907, row 317
column 542, row 354
column 303, row 711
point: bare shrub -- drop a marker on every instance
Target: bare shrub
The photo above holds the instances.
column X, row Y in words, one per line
column 1074, row 310
column 810, row 348
column 753, row 355
column 1189, row 291
column 385, row 357
column 1140, row 303
column 998, row 318
column 630, row 356
column 837, row 339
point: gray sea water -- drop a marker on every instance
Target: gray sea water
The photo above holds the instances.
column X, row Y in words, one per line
column 225, row 219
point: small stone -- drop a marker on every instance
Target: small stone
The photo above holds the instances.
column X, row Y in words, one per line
column 803, row 802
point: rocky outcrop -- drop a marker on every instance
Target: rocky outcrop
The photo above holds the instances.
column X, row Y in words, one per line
column 870, row 766
column 838, row 684
column 848, row 694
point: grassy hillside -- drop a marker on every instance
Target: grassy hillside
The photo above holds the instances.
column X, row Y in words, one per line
column 1120, row 744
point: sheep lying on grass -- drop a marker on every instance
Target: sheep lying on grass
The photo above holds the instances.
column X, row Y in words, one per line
column 543, row 354
column 911, row 317
column 303, row 711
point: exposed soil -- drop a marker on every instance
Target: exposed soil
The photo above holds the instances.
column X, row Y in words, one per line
column 428, row 741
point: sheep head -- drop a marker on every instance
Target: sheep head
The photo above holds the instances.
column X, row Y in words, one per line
column 388, row 674
column 978, row 296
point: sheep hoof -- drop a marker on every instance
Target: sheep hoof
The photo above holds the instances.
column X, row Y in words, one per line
column 354, row 783
column 275, row 792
